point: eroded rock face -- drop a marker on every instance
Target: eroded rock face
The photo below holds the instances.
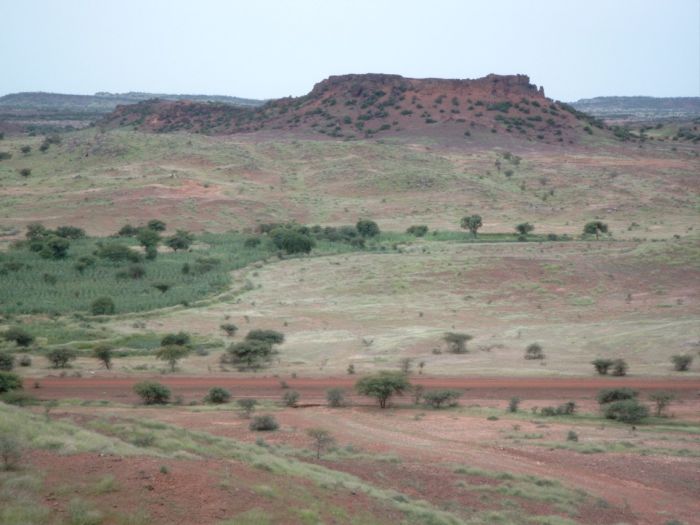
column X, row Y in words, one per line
column 368, row 105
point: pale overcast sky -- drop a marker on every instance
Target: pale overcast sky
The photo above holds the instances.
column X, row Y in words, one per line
column 268, row 48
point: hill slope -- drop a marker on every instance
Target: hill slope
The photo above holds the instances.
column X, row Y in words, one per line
column 639, row 108
column 356, row 106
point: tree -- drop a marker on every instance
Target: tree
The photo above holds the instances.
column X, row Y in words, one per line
column 524, row 228
column 367, row 228
column 662, row 400
column 602, row 365
column 156, row 225
column 290, row 398
column 534, row 351
column 440, row 398
column 117, row 252
column 610, row 395
column 9, row 381
column 513, row 404
column 229, row 328
column 152, row 393
column 127, row 231
column 181, row 240
column 271, row 337
column 321, row 440
column 70, row 232
column 405, row 365
column 250, row 354
column 457, row 342
column 102, row 306
column 626, row 411
column 172, row 354
column 55, row 247
column 20, row 336
column 25, row 172
column 619, row 367
column 217, row 396
column 26, row 149
column 149, row 239
column 335, row 397
column 595, row 228
column 419, row 230
column 681, row 363
column 7, row 362
column 247, row 405
column 181, row 338
column 264, row 423
column 382, row 386
column 10, row 451
column 291, row 241
column 103, row 352
column 471, row 223
column 61, row 357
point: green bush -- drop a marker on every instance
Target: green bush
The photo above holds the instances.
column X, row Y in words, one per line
column 20, row 336
column 181, row 339
column 626, row 411
column 264, row 423
column 10, row 451
column 681, row 363
column 291, row 398
column 513, row 404
column 619, row 367
column 102, row 306
column 19, row 398
column 152, row 393
column 534, row 351
column 382, row 386
column 602, row 365
column 335, row 397
column 291, row 241
column 271, row 337
column 441, row 398
column 217, row 396
column 367, row 228
column 418, row 230
column 9, row 381
column 7, row 362
column 61, row 357
column 247, row 405
column 610, row 395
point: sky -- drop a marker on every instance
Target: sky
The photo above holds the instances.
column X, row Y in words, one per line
column 275, row 48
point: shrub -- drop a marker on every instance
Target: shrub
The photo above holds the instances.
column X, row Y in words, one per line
column 117, row 252
column 18, row 397
column 156, row 225
column 292, row 241
column 595, row 228
column 335, row 397
column 619, row 367
column 602, row 365
column 25, row 172
column 10, row 451
column 418, row 230
column 250, row 355
column 457, row 342
column 70, row 232
column 9, row 381
column 534, row 351
column 322, row 440
column 25, row 360
column 152, row 393
column 229, row 328
column 382, row 386
column 172, row 354
column 61, row 357
column 291, row 398
column 626, row 411
column 178, row 339
column 472, row 223
column 609, row 395
column 513, row 404
column 524, row 228
column 7, row 362
column 252, row 242
column 102, row 306
column 264, row 423
column 127, row 231
column 661, row 400
column 681, row 363
column 439, row 398
column 367, row 228
column 103, row 352
column 247, row 405
column 182, row 240
column 20, row 336
column 571, row 436
column 270, row 337
column 217, row 396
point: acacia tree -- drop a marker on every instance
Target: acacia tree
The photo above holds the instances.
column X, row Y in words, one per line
column 457, row 342
column 321, row 440
column 524, row 228
column 382, row 386
column 172, row 354
column 149, row 239
column 661, row 400
column 103, row 352
column 250, row 354
column 471, row 223
column 367, row 228
column 181, row 240
column 595, row 228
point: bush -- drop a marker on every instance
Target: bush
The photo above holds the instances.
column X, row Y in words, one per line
column 271, row 337
column 513, row 404
column 566, row 409
column 418, row 230
column 292, row 241
column 9, row 381
column 457, row 342
column 7, row 362
column 156, row 225
column 367, row 228
column 571, row 436
column 178, row 339
column 103, row 352
column 252, row 242
column 229, row 328
column 25, row 360
column 662, row 400
column 172, row 354
column 382, row 386
column 247, row 405
column 602, row 365
column 152, row 393
column 102, row 306
column 20, row 336
column 619, row 367
column 217, row 396
column 25, row 172
column 681, row 363
column 252, row 354
column 335, row 397
column 18, row 398
column 610, row 395
column 626, row 411
column 291, row 398
column 439, row 398
column 264, row 423
column 61, row 357
column 117, row 252
column 534, row 351
column 10, row 451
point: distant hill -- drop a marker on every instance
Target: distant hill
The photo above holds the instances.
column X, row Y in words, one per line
column 357, row 106
column 639, row 108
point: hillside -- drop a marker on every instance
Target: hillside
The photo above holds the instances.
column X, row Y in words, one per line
column 361, row 106
column 639, row 108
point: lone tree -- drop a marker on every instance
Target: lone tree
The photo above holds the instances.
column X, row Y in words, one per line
column 367, row 228
column 661, row 400
column 471, row 223
column 602, row 365
column 321, row 440
column 247, row 405
column 182, row 240
column 382, row 386
column 595, row 228
column 172, row 354
column 103, row 352
column 534, row 351
column 61, row 357
column 457, row 342
column 102, row 306
column 524, row 228
column 149, row 239
column 681, row 363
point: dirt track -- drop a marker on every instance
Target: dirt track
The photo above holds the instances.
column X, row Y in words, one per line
column 314, row 390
